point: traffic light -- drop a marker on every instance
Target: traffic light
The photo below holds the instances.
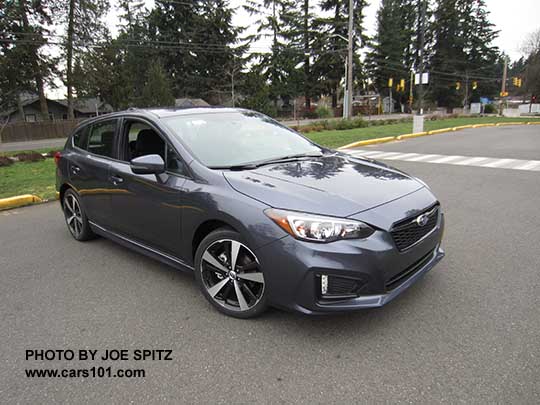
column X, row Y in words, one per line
column 390, row 82
column 533, row 99
column 519, row 82
column 474, row 85
column 515, row 81
column 503, row 94
column 402, row 85
column 458, row 85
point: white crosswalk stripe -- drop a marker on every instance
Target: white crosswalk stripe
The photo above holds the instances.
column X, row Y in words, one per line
column 478, row 161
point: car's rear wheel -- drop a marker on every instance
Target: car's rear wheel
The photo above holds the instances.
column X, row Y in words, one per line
column 76, row 219
column 229, row 275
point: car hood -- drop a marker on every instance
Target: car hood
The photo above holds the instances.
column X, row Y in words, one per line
column 335, row 185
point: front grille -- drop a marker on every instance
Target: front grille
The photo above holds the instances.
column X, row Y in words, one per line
column 399, row 278
column 407, row 232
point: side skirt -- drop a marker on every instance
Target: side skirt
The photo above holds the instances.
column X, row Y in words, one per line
column 141, row 248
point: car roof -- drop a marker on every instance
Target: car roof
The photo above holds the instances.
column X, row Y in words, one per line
column 162, row 112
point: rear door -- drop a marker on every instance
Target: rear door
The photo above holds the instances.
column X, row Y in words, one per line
column 88, row 168
column 147, row 208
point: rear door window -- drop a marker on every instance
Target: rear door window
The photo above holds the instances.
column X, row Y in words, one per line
column 101, row 138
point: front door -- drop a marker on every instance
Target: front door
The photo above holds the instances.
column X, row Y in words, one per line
column 147, row 208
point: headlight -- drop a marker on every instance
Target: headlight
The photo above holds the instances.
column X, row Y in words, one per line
column 315, row 228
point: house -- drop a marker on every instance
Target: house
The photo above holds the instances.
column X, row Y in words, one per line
column 190, row 102
column 83, row 108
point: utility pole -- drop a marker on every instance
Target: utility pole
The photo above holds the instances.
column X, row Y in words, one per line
column 350, row 61
column 466, row 97
column 503, row 86
column 418, row 119
column 411, row 90
column 422, row 21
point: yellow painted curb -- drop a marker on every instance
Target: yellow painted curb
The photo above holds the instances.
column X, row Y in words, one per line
column 482, row 125
column 499, row 124
column 462, row 127
column 407, row 136
column 368, row 142
column 19, row 201
column 533, row 123
column 440, row 131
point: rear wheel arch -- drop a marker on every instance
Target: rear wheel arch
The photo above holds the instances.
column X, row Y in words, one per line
column 62, row 192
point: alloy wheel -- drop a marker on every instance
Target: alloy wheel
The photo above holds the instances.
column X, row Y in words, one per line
column 73, row 213
column 231, row 275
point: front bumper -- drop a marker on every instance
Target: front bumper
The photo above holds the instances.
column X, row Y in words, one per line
column 293, row 268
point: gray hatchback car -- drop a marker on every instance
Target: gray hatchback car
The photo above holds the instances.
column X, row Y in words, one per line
column 261, row 215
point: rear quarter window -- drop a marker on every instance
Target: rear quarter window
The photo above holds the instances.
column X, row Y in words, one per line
column 79, row 138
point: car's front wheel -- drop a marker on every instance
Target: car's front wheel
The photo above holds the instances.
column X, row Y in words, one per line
column 76, row 219
column 229, row 274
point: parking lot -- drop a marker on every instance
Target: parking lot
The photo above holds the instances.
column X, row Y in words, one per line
column 467, row 332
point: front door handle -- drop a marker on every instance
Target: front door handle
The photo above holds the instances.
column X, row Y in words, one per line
column 116, row 180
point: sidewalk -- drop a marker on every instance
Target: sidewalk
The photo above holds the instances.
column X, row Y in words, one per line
column 29, row 145
column 59, row 142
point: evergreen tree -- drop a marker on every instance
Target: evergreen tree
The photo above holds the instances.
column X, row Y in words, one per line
column 278, row 20
column 25, row 66
column 197, row 45
column 393, row 51
column 157, row 88
column 463, row 52
column 332, row 45
column 84, row 28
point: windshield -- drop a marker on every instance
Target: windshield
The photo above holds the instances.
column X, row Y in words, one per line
column 237, row 138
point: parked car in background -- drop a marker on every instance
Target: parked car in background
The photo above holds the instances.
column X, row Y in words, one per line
column 260, row 214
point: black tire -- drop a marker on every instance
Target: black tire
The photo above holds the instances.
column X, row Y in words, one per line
column 76, row 219
column 245, row 283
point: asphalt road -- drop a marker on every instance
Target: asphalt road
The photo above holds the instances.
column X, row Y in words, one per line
column 468, row 332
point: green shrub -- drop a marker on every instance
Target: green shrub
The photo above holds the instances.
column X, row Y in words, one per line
column 490, row 109
column 29, row 157
column 323, row 112
column 5, row 161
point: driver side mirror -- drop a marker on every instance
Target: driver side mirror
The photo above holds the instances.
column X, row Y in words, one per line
column 147, row 164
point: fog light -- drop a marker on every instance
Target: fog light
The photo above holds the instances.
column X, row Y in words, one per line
column 324, row 284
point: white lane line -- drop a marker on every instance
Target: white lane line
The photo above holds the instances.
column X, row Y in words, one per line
column 471, row 161
column 423, row 157
column 384, row 155
column 446, row 159
column 403, row 156
column 477, row 161
column 365, row 153
column 499, row 163
column 531, row 165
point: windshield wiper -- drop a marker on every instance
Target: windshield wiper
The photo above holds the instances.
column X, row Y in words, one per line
column 282, row 159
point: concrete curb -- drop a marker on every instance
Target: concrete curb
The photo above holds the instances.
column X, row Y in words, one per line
column 19, row 201
column 432, row 132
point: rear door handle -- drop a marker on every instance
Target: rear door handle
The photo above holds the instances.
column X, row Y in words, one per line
column 116, row 180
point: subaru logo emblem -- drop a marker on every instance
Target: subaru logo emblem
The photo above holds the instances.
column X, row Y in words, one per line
column 422, row 220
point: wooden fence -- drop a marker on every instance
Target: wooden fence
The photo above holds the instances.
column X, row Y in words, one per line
column 31, row 131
